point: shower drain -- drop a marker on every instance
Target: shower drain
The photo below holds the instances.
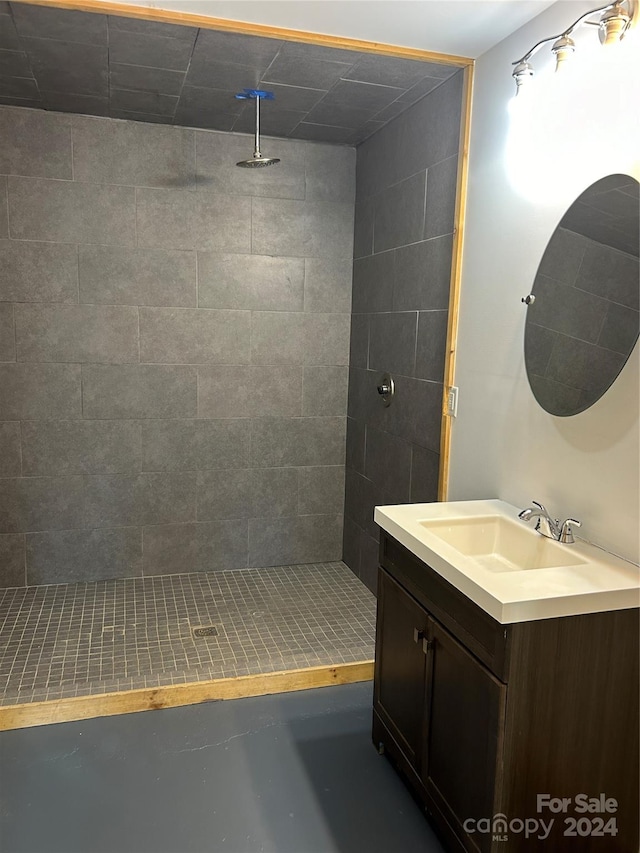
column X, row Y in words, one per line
column 206, row 631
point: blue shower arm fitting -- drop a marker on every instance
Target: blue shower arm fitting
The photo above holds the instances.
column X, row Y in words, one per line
column 249, row 94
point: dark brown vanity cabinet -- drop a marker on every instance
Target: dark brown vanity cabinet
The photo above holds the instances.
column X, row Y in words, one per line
column 481, row 718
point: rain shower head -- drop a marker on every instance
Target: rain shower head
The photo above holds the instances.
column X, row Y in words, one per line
column 257, row 160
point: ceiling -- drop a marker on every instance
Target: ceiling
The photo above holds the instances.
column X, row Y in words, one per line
column 458, row 27
column 83, row 62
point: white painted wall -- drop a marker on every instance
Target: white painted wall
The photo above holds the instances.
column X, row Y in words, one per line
column 573, row 129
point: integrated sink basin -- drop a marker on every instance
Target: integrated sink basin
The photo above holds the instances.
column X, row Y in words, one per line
column 508, row 568
column 502, row 545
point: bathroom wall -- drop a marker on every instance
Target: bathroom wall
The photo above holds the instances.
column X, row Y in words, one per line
column 406, row 185
column 174, row 339
column 529, row 159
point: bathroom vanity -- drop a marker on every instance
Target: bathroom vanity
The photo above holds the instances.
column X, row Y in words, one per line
column 506, row 685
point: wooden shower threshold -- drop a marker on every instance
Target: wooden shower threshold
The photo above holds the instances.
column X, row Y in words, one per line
column 173, row 695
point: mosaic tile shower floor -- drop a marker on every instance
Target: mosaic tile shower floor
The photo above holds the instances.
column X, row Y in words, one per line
column 84, row 639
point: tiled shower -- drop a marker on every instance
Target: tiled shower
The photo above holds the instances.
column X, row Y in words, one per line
column 176, row 340
column 176, row 336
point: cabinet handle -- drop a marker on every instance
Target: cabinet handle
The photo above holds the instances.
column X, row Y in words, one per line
column 418, row 636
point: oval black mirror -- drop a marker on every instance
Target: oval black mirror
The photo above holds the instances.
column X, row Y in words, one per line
column 584, row 321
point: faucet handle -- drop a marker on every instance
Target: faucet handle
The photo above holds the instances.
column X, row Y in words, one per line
column 566, row 531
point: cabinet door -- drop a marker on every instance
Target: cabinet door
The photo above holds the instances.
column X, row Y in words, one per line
column 463, row 750
column 400, row 669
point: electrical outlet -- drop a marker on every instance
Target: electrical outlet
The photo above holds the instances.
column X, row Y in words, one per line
column 452, row 402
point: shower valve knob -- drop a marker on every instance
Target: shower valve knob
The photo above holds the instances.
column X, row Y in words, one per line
column 386, row 389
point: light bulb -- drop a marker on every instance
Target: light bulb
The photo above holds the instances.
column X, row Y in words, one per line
column 521, row 73
column 562, row 50
column 613, row 25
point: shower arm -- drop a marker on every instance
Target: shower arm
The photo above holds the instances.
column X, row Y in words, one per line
column 256, row 152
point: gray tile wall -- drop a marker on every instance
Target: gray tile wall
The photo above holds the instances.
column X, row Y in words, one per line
column 406, row 189
column 174, row 346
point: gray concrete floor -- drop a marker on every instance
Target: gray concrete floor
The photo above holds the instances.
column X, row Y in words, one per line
column 291, row 773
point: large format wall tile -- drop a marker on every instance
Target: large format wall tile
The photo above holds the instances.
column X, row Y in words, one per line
column 123, row 501
column 179, row 219
column 117, row 276
column 327, row 285
column 259, row 282
column 38, row 272
column 7, row 334
column 202, row 547
column 10, row 461
column 321, row 490
column 330, row 173
column 277, row 337
column 35, row 144
column 392, row 342
column 12, row 560
column 431, row 345
column 327, row 339
column 302, row 539
column 67, row 212
column 138, row 391
column 60, row 66
column 4, row 218
column 399, row 216
column 40, row 503
column 77, row 333
column 296, row 338
column 422, row 275
column 194, row 336
column 112, row 152
column 299, row 442
column 224, row 494
column 84, row 555
column 251, row 391
column 195, row 445
column 39, row 22
column 324, row 390
column 40, row 391
column 441, row 198
column 388, row 463
column 80, row 447
column 274, row 492
column 302, row 228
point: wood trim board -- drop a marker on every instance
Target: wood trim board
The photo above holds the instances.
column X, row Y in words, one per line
column 455, row 281
column 175, row 695
column 169, row 16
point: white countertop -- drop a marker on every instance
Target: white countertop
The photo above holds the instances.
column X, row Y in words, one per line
column 598, row 581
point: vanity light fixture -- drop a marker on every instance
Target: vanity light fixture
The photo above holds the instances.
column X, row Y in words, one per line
column 615, row 19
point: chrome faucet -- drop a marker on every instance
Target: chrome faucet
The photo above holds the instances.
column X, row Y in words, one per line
column 550, row 527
